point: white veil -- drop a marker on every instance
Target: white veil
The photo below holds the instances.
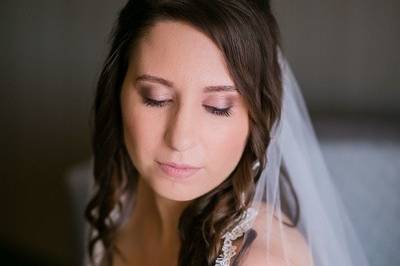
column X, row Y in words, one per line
column 323, row 221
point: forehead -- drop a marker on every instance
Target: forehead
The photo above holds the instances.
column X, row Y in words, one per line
column 179, row 52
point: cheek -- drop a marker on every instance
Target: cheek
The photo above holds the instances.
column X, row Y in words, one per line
column 226, row 147
column 141, row 134
column 221, row 144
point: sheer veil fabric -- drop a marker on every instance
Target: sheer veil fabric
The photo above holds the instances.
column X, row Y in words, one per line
column 323, row 222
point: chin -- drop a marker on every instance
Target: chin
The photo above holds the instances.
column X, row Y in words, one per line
column 171, row 195
column 178, row 190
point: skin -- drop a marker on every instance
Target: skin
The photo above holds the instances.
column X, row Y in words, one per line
column 184, row 130
column 287, row 245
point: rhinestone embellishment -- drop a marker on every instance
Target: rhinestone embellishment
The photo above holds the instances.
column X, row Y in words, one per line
column 228, row 250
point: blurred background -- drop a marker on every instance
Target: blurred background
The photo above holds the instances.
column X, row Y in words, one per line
column 344, row 53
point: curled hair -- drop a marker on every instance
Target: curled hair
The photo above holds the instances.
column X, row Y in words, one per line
column 247, row 34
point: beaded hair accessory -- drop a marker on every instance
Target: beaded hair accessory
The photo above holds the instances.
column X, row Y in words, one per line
column 228, row 250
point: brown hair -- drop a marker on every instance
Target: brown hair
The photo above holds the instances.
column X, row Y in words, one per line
column 247, row 34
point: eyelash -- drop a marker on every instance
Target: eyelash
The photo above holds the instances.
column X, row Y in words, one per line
column 213, row 110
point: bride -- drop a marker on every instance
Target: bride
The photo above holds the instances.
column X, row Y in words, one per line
column 203, row 151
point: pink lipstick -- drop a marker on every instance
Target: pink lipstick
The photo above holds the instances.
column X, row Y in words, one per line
column 178, row 171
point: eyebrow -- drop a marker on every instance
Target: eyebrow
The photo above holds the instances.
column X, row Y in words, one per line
column 170, row 84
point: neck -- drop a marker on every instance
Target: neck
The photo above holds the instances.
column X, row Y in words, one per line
column 156, row 217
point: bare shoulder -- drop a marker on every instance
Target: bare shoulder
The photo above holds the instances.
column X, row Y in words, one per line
column 286, row 243
column 258, row 256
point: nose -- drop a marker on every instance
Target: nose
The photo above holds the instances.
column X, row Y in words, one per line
column 181, row 129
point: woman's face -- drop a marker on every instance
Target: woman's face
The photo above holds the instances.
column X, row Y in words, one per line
column 179, row 105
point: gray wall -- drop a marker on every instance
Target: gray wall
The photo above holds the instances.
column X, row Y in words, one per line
column 344, row 54
column 51, row 53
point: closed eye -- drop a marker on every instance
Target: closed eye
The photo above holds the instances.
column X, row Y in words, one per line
column 154, row 103
column 211, row 109
column 218, row 111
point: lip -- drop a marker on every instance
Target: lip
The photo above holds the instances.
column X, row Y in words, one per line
column 178, row 171
column 180, row 166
